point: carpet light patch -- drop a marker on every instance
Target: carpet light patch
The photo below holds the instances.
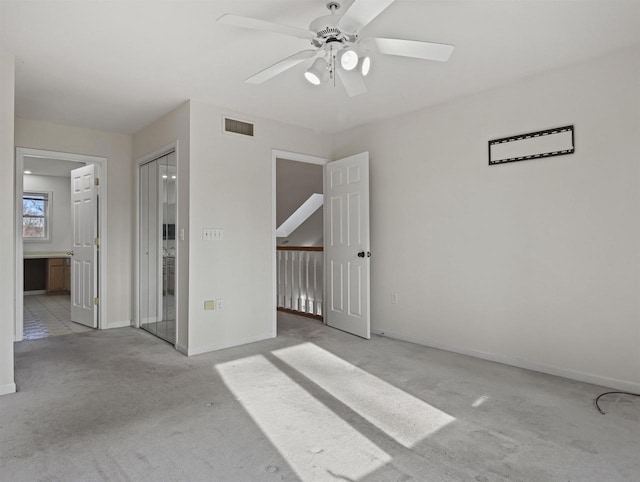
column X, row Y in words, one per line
column 317, row 443
column 400, row 415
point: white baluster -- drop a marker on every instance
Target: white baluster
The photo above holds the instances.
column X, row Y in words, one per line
column 280, row 281
column 294, row 281
column 306, row 276
column 287, row 282
column 315, row 284
column 320, row 278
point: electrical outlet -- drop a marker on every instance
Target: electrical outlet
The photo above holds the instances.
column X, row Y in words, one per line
column 209, row 305
column 218, row 305
column 394, row 298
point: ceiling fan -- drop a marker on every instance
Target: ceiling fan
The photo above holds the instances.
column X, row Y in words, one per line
column 337, row 47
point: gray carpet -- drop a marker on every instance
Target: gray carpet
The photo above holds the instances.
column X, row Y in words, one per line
column 313, row 404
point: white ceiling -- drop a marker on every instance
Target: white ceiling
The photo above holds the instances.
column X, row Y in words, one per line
column 120, row 65
column 43, row 166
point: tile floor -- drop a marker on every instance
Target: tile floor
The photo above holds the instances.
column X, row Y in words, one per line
column 49, row 315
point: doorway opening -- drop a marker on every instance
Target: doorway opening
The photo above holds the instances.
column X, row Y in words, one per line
column 58, row 288
column 345, row 265
column 299, row 238
column 298, row 225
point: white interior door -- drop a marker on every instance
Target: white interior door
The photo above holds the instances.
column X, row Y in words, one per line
column 346, row 244
column 84, row 222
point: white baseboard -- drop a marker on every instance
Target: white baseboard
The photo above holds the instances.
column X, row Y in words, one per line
column 222, row 346
column 7, row 389
column 117, row 324
column 615, row 383
column 35, row 292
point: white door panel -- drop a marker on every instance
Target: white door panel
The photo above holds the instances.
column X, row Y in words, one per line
column 347, row 244
column 84, row 232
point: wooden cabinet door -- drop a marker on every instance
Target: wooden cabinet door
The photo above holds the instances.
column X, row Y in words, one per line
column 67, row 274
column 55, row 275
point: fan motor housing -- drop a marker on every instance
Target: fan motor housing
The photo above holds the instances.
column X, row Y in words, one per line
column 327, row 31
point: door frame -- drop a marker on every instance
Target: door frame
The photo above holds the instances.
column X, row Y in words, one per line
column 163, row 151
column 289, row 156
column 101, row 289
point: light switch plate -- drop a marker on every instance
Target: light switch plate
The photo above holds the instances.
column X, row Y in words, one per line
column 209, row 305
column 211, row 234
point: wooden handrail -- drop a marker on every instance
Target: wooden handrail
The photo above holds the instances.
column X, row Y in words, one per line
column 300, row 248
column 301, row 313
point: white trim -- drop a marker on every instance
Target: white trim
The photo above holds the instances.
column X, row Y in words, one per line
column 7, row 389
column 135, row 320
column 229, row 344
column 519, row 363
column 101, row 165
column 289, row 156
column 118, row 324
column 296, row 156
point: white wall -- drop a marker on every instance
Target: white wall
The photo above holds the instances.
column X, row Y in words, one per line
column 172, row 128
column 533, row 263
column 225, row 182
column 117, row 149
column 59, row 212
column 231, row 188
column 7, row 234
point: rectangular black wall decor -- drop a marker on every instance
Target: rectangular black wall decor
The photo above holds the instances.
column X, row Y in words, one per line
column 534, row 145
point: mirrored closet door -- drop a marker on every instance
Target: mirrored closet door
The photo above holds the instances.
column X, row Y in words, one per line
column 157, row 249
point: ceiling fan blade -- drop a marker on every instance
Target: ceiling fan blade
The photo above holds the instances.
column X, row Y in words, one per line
column 411, row 48
column 256, row 24
column 279, row 67
column 353, row 82
column 361, row 12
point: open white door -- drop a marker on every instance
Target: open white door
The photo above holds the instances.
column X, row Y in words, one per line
column 83, row 260
column 346, row 244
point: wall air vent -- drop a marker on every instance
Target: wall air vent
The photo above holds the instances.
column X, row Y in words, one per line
column 235, row 126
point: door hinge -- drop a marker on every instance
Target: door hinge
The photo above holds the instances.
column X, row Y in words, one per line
column 96, row 241
column 96, row 301
column 96, row 181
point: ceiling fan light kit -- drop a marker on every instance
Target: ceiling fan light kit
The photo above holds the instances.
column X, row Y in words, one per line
column 348, row 59
column 337, row 48
column 318, row 72
column 364, row 65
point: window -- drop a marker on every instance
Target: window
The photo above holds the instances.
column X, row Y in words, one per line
column 35, row 216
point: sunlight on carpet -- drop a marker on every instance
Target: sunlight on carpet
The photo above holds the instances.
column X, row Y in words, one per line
column 400, row 415
column 317, row 444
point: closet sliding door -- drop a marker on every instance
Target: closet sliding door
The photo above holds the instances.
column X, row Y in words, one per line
column 157, row 247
